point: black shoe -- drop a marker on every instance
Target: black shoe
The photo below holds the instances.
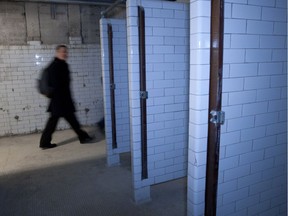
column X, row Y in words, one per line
column 86, row 140
column 48, row 146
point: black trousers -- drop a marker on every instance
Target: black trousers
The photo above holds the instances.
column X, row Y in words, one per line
column 51, row 126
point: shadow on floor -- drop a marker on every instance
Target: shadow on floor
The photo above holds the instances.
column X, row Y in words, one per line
column 73, row 180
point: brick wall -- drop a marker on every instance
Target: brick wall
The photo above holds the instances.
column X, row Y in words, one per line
column 27, row 21
column 22, row 108
column 167, row 59
column 253, row 152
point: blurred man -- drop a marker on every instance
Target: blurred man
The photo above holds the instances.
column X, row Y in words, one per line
column 61, row 103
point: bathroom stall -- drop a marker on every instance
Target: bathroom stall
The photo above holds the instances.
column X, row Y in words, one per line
column 151, row 97
column 115, row 86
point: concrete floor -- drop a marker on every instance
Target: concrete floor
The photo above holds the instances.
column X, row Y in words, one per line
column 73, row 180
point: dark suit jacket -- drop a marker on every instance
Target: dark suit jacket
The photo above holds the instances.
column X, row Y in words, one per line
column 61, row 102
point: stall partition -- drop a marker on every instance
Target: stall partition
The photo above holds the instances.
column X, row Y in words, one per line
column 151, row 87
column 115, row 86
column 165, row 46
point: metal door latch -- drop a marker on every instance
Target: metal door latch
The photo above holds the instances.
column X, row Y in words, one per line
column 217, row 117
column 143, row 94
column 112, row 86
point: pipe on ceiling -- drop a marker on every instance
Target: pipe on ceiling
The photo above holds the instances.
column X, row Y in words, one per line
column 85, row 2
column 115, row 4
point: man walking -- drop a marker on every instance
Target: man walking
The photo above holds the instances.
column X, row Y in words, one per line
column 61, row 103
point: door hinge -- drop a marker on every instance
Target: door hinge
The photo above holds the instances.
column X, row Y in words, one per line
column 217, row 117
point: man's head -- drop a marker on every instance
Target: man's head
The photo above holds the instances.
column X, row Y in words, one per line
column 62, row 52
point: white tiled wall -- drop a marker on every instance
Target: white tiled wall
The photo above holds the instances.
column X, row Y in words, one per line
column 167, row 57
column 121, row 88
column 198, row 104
column 253, row 165
column 23, row 109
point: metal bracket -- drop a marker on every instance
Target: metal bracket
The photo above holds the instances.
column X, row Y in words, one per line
column 217, row 117
column 143, row 94
column 112, row 86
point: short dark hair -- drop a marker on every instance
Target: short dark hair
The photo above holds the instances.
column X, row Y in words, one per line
column 61, row 46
